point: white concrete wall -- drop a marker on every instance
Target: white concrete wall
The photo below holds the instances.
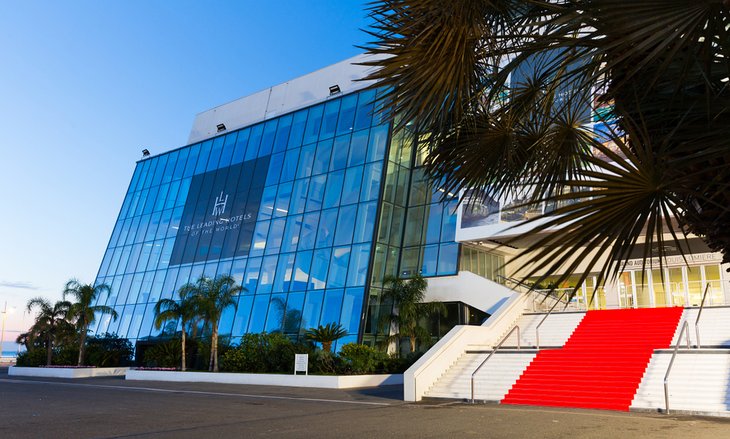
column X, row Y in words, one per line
column 67, row 372
column 470, row 288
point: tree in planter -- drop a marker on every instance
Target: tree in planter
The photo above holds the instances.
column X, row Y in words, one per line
column 326, row 335
column 213, row 297
column 187, row 309
column 49, row 322
column 83, row 311
column 407, row 310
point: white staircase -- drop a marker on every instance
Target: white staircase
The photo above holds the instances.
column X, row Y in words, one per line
column 491, row 383
column 699, row 382
column 554, row 332
column 714, row 326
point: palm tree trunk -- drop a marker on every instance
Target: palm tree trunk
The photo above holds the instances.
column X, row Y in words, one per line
column 214, row 349
column 183, row 350
column 81, row 346
column 49, row 352
column 413, row 343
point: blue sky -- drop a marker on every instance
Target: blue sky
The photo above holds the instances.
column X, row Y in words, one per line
column 86, row 85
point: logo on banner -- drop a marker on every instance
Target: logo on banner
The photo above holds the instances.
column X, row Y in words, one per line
column 219, row 207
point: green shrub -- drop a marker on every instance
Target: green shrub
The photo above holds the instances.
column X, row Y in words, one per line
column 261, row 353
column 362, row 359
column 31, row 358
column 66, row 355
column 166, row 354
column 108, row 350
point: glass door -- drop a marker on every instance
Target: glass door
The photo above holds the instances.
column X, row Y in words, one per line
column 657, row 283
column 675, row 283
column 695, row 285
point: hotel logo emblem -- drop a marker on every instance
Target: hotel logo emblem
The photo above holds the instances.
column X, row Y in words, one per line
column 219, row 207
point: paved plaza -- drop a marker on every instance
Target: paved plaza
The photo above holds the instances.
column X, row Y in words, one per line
column 114, row 408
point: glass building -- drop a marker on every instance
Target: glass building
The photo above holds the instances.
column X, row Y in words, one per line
column 307, row 209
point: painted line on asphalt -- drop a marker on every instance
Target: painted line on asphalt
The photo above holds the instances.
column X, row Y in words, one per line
column 195, row 392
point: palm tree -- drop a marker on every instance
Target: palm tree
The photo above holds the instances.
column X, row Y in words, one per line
column 83, row 309
column 504, row 91
column 326, row 335
column 48, row 321
column 186, row 310
column 408, row 309
column 213, row 297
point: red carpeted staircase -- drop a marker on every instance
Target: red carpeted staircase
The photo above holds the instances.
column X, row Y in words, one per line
column 601, row 364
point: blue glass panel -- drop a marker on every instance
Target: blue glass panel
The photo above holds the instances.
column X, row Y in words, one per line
column 144, row 256
column 170, row 168
column 282, row 133
column 347, row 114
column 448, row 255
column 323, row 158
column 135, row 178
column 115, row 261
column 202, row 164
column 192, row 161
column 182, row 194
column 133, row 258
column 159, row 169
column 147, row 322
column 299, row 196
column 340, row 151
column 282, row 199
column 268, row 271
column 229, row 146
column 196, row 272
column 364, row 112
column 150, row 201
column 276, row 314
column 289, row 170
column 329, row 122
column 123, row 212
column 300, row 275
column 254, row 140
column 157, row 286
column 448, row 227
column 327, row 225
column 334, row 189
column 146, row 288
column 238, row 270
column 433, row 227
column 143, row 175
column 105, row 262
column 352, row 184
column 251, row 280
column 168, row 289
column 345, row 225
column 161, row 198
column 133, row 229
column 224, row 268
column 166, row 253
column 314, row 121
column 226, row 321
column 309, row 231
column 377, row 143
column 304, row 169
column 175, row 221
column 172, row 195
column 258, row 313
column 297, row 129
column 155, row 254
column 358, row 269
column 267, row 140
column 293, row 314
column 275, row 165
column 332, row 307
column 366, row 215
column 283, row 275
column 337, row 344
column 243, row 312
column 259, row 238
column 338, row 267
column 182, row 159
column 352, row 309
column 320, row 267
column 291, row 234
column 268, row 197
column 239, row 152
column 123, row 234
column 276, row 232
column 358, row 148
column 140, row 204
column 312, row 309
column 316, row 193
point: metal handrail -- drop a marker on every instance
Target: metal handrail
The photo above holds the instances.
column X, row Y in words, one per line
column 683, row 331
column 492, row 353
column 537, row 328
column 699, row 313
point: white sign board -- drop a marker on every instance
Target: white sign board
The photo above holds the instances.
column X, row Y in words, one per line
column 301, row 363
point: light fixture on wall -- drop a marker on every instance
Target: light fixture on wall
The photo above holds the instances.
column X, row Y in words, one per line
column 334, row 89
column 221, row 127
column 145, row 152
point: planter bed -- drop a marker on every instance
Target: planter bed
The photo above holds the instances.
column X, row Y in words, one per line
column 319, row 381
column 67, row 372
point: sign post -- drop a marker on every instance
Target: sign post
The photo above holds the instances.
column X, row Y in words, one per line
column 301, row 363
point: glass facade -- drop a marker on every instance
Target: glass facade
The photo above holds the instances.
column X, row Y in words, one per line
column 287, row 206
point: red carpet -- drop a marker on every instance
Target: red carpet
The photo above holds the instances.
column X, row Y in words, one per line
column 601, row 364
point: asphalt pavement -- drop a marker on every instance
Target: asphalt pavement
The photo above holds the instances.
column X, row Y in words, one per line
column 115, row 408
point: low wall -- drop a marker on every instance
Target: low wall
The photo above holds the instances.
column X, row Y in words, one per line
column 67, row 372
column 319, row 381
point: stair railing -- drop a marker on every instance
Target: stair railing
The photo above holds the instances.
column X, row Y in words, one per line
column 699, row 313
column 499, row 345
column 537, row 328
column 683, row 331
